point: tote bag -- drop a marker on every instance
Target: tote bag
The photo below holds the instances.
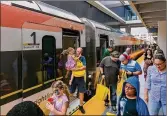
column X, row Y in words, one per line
column 102, row 91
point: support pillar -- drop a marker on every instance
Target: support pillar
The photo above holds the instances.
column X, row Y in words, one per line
column 128, row 29
column 162, row 35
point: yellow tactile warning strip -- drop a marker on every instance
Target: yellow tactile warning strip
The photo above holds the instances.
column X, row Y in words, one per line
column 140, row 60
column 137, row 53
column 92, row 107
column 95, row 106
column 110, row 114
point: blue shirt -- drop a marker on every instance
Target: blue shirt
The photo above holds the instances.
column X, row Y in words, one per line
column 156, row 84
column 132, row 66
column 83, row 60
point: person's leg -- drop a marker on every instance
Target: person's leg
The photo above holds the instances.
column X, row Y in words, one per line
column 81, row 90
column 107, row 85
column 164, row 109
column 113, row 97
column 67, row 74
column 154, row 107
column 81, row 98
column 73, row 86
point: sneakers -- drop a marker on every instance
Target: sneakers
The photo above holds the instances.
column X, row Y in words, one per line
column 114, row 108
column 106, row 104
column 82, row 109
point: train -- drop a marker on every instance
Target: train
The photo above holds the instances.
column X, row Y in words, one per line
column 29, row 29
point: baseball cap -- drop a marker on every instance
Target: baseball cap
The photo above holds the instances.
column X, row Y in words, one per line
column 115, row 54
column 123, row 57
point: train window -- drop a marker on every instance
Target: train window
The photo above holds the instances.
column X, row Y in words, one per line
column 99, row 57
column 124, row 48
column 10, row 76
column 32, row 68
column 111, row 43
column 121, row 49
column 48, row 57
column 117, row 48
column 59, row 63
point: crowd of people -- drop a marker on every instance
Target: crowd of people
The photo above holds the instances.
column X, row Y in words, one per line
column 154, row 70
column 112, row 65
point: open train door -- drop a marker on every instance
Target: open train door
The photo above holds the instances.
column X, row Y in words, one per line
column 104, row 43
column 38, row 61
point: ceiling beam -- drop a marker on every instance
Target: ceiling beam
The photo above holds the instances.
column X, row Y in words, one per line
column 134, row 25
column 155, row 19
column 144, row 1
column 152, row 24
column 112, row 23
column 152, row 7
column 153, row 14
column 107, row 11
column 137, row 13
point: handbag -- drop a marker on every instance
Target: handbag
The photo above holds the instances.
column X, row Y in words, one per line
column 102, row 91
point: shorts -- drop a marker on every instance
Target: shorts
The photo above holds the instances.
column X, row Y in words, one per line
column 80, row 83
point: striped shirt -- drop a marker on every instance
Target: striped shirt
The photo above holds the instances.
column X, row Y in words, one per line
column 132, row 66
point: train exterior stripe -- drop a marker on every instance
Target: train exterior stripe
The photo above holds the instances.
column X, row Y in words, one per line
column 15, row 17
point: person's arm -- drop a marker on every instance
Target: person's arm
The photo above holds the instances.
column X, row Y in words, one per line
column 118, row 75
column 81, row 68
column 147, row 84
column 50, row 63
column 137, row 72
column 101, row 68
column 56, row 112
column 138, row 68
column 72, row 77
column 75, row 58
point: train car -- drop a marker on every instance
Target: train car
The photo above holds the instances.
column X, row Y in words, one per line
column 126, row 40
column 98, row 38
column 29, row 32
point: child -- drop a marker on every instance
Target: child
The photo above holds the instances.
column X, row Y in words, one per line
column 60, row 98
column 130, row 104
column 71, row 62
